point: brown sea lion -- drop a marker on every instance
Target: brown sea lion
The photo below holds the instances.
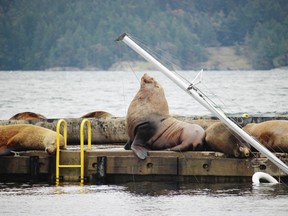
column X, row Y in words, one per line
column 272, row 134
column 27, row 116
column 21, row 137
column 204, row 123
column 220, row 138
column 176, row 135
column 150, row 99
column 161, row 132
column 150, row 126
column 97, row 114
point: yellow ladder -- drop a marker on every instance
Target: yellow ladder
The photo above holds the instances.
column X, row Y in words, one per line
column 81, row 165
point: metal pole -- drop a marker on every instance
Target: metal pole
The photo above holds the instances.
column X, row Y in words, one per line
column 202, row 100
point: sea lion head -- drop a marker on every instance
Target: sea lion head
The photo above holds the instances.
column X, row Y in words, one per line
column 149, row 82
column 221, row 138
column 242, row 150
column 50, row 144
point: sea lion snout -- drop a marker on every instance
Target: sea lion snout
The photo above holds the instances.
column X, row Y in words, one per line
column 147, row 80
column 242, row 151
column 50, row 143
column 245, row 150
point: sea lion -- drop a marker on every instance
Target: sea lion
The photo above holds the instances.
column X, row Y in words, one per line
column 150, row 99
column 220, row 138
column 21, row 137
column 272, row 134
column 176, row 135
column 27, row 116
column 97, row 114
column 204, row 123
column 150, row 126
column 161, row 132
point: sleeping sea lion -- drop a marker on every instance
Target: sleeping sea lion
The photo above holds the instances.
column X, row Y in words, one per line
column 204, row 123
column 27, row 116
column 150, row 126
column 272, row 134
column 97, row 114
column 220, row 138
column 21, row 137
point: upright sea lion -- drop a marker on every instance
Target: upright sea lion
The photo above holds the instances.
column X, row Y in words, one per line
column 27, row 116
column 97, row 114
column 21, row 137
column 150, row 99
column 150, row 126
column 272, row 134
column 220, row 138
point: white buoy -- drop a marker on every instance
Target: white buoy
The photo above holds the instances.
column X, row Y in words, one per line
column 265, row 176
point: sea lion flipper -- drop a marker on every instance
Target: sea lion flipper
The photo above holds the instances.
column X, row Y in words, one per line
column 143, row 133
column 4, row 150
column 186, row 147
column 178, row 148
column 127, row 145
column 140, row 151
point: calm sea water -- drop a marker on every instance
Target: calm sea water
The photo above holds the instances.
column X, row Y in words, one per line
column 72, row 94
column 144, row 199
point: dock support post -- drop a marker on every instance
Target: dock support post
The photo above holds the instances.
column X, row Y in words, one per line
column 34, row 168
column 101, row 169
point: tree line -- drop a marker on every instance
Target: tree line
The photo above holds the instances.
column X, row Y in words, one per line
column 41, row 34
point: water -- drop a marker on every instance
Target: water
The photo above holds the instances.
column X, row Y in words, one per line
column 72, row 94
column 143, row 199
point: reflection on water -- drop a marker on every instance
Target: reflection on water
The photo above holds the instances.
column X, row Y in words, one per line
column 144, row 198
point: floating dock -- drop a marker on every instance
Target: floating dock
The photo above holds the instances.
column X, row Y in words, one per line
column 108, row 162
column 112, row 164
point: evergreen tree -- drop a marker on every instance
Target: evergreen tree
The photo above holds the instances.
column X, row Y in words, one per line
column 40, row 34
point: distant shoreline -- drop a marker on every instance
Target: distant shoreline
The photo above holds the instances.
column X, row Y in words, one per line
column 149, row 68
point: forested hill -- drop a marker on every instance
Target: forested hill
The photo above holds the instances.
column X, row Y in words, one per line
column 41, row 34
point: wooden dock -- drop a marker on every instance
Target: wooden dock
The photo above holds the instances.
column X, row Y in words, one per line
column 108, row 162
column 113, row 164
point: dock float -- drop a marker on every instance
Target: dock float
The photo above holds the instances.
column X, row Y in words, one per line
column 108, row 162
column 113, row 164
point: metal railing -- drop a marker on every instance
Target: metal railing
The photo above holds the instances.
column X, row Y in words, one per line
column 58, row 140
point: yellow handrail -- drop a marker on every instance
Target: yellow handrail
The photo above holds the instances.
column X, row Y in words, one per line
column 88, row 126
column 81, row 165
column 58, row 127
